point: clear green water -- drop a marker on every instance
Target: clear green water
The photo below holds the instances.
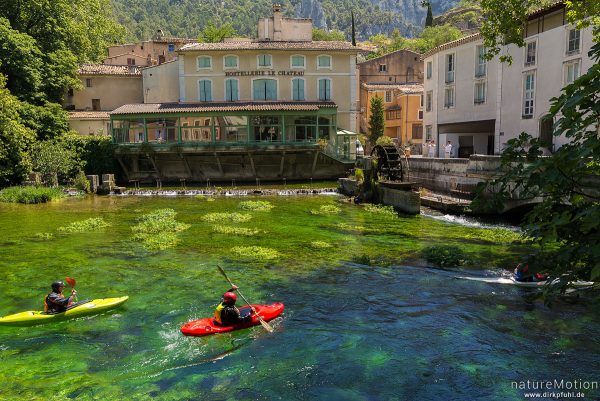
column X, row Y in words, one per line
column 395, row 331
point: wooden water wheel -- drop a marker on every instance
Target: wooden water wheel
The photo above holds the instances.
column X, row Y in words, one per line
column 389, row 163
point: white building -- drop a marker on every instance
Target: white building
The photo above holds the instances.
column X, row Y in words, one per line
column 479, row 105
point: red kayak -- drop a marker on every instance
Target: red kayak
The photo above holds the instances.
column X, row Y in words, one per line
column 208, row 326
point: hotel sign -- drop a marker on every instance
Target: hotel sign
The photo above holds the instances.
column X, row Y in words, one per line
column 262, row 73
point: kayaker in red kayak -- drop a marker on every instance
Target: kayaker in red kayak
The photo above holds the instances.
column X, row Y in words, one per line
column 226, row 313
column 523, row 274
column 55, row 302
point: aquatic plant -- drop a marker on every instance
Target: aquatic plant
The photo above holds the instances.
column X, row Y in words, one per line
column 381, row 209
column 205, row 198
column 30, row 195
column 248, row 232
column 445, row 255
column 349, row 227
column 325, row 210
column 320, row 245
column 256, row 206
column 158, row 230
column 88, row 225
column 44, row 236
column 496, row 236
column 233, row 217
column 256, row 252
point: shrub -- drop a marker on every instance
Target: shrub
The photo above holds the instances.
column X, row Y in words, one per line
column 30, row 195
column 359, row 174
column 81, row 182
column 445, row 255
column 88, row 225
column 232, row 217
column 384, row 141
column 256, row 206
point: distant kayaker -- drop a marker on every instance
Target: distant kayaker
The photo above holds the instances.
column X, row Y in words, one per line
column 523, row 274
column 226, row 313
column 55, row 302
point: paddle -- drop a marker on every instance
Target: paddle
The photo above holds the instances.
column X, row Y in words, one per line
column 264, row 324
column 71, row 281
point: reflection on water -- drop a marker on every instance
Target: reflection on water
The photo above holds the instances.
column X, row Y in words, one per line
column 349, row 331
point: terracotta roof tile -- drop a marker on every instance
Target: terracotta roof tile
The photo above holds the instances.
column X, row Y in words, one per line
column 89, row 115
column 161, row 108
column 402, row 88
column 108, row 69
column 271, row 45
column 454, row 43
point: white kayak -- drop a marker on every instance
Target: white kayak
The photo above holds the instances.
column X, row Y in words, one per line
column 531, row 284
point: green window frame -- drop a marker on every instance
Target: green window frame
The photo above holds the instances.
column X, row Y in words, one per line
column 204, row 62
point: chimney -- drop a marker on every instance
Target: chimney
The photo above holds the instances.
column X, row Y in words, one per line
column 277, row 21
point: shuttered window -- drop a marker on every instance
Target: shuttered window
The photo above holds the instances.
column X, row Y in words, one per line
column 265, row 89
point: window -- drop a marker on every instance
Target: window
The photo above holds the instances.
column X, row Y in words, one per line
column 428, row 100
column 232, row 92
column 479, row 93
column 298, row 89
column 266, row 128
column 449, row 97
column 421, row 101
column 298, row 61
column 204, row 62
column 429, row 69
column 481, row 65
column 264, row 61
column 417, row 131
column 388, row 96
column 205, row 90
column 573, row 41
column 324, row 62
column 231, row 62
column 428, row 130
column 324, row 89
column 547, row 131
column 420, row 115
column 70, row 92
column 449, row 68
column 530, row 53
column 130, row 61
column 95, row 104
column 382, row 68
column 264, row 89
column 394, row 115
column 572, row 71
column 88, row 82
column 528, row 94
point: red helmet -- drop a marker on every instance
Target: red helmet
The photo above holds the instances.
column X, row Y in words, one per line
column 229, row 297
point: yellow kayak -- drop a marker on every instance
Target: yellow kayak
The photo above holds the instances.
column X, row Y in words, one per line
column 83, row 308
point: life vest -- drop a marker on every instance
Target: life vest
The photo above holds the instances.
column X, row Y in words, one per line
column 218, row 313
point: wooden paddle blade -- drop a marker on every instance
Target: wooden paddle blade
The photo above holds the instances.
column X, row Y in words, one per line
column 266, row 325
column 71, row 281
column 224, row 274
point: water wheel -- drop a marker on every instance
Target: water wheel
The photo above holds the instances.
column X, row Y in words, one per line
column 389, row 163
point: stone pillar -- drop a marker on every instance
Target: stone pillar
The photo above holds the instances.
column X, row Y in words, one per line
column 94, row 183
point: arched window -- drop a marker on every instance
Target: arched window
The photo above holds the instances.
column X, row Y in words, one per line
column 264, row 89
column 547, row 131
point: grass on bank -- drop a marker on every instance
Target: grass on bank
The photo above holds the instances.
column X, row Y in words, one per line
column 30, row 195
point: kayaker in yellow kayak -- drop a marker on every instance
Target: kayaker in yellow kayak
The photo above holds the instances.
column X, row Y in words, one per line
column 55, row 302
column 226, row 313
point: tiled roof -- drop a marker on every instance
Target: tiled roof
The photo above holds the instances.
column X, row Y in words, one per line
column 371, row 60
column 454, row 43
column 128, row 54
column 271, row 45
column 108, row 69
column 89, row 115
column 551, row 6
column 402, row 88
column 156, row 108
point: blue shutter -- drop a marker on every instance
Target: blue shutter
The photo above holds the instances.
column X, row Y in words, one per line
column 298, row 89
column 259, row 89
column 270, row 89
column 231, row 90
column 205, row 91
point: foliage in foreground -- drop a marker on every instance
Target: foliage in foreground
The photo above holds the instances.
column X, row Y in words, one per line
column 233, row 217
column 566, row 221
column 255, row 206
column 158, row 230
column 258, row 253
column 243, row 231
column 381, row 209
column 326, row 210
column 445, row 255
column 30, row 194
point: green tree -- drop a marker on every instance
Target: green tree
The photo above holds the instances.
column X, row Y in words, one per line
column 57, row 162
column 376, row 120
column 15, row 139
column 429, row 18
column 216, row 32
column 566, row 222
column 323, row 35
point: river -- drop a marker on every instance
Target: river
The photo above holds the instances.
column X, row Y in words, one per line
column 366, row 318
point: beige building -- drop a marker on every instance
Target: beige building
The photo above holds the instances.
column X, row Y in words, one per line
column 479, row 105
column 90, row 122
column 282, row 93
column 157, row 50
column 403, row 112
column 399, row 67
